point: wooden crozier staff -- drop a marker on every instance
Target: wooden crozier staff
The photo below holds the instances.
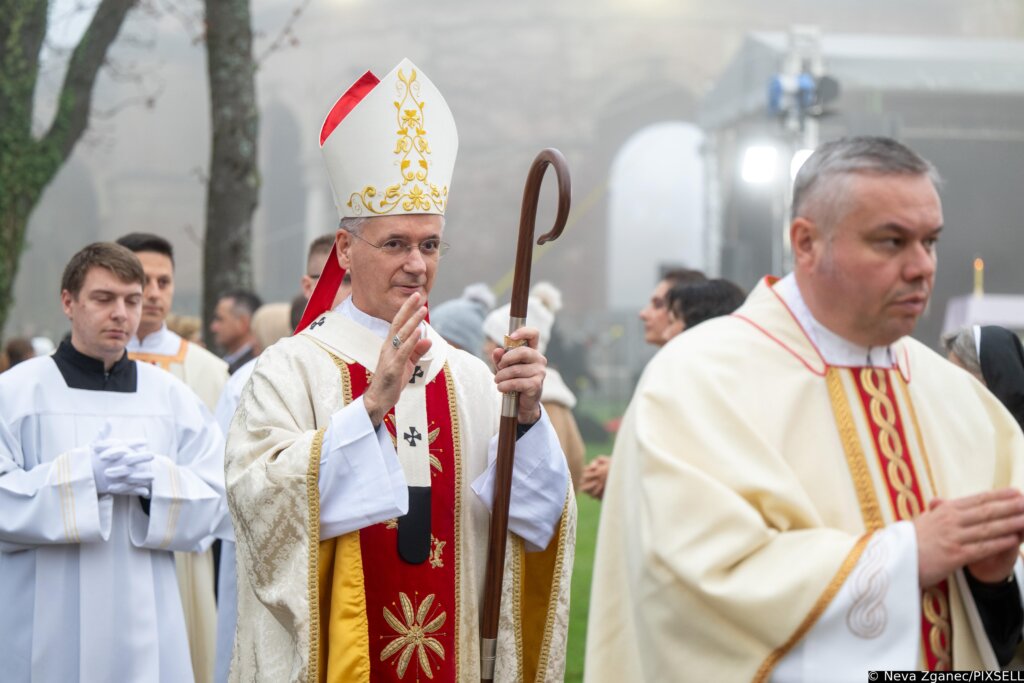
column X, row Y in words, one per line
column 510, row 401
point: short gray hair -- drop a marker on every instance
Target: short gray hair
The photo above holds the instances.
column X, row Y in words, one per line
column 962, row 344
column 819, row 181
column 355, row 224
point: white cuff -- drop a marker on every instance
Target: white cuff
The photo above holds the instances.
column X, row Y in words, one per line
column 874, row 621
column 540, row 480
column 361, row 479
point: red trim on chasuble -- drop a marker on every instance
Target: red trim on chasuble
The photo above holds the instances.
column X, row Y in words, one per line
column 411, row 609
column 878, row 398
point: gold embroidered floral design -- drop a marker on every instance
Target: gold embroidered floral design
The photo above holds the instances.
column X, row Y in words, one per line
column 414, row 192
column 413, row 635
column 435, row 462
column 436, row 548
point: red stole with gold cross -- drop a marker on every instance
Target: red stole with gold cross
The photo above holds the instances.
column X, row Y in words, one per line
column 870, row 406
column 411, row 610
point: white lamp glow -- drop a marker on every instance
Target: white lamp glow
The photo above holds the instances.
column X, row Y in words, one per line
column 798, row 160
column 759, row 164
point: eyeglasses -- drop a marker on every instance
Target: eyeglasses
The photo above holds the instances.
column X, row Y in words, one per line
column 431, row 248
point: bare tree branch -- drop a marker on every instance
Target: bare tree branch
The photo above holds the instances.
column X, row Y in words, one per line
column 286, row 36
column 75, row 97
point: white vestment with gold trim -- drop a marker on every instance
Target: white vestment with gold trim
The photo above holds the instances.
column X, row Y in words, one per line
column 747, row 532
column 275, row 467
column 88, row 582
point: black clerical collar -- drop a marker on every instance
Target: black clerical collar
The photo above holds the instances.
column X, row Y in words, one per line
column 85, row 372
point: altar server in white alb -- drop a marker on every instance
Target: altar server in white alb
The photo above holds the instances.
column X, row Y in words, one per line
column 357, row 460
column 107, row 465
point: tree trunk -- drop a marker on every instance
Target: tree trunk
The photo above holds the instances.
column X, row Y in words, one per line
column 28, row 164
column 233, row 184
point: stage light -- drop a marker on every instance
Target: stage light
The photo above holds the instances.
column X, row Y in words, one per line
column 759, row 164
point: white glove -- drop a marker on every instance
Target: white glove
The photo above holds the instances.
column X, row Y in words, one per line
column 132, row 475
column 120, row 467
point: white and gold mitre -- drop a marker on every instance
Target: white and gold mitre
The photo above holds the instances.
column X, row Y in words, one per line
column 390, row 146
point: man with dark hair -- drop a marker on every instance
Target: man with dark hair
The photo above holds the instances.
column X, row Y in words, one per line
column 691, row 303
column 803, row 492
column 655, row 314
column 205, row 374
column 320, row 250
column 232, row 326
column 106, row 466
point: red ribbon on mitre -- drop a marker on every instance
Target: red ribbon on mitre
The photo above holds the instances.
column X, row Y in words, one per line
column 322, row 298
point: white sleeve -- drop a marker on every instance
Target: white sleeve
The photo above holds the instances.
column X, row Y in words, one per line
column 874, row 621
column 361, row 478
column 227, row 404
column 53, row 502
column 540, row 481
column 187, row 502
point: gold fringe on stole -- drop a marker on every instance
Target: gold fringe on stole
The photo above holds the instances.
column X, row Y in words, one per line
column 313, row 531
column 812, row 617
column 855, row 458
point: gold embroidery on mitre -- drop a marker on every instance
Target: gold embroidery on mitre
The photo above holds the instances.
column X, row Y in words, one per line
column 413, row 151
column 413, row 635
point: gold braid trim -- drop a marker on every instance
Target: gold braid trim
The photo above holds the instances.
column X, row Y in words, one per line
column 313, row 583
column 917, row 432
column 549, row 628
column 819, row 607
column 518, row 567
column 313, row 496
column 457, row 454
column 855, row 459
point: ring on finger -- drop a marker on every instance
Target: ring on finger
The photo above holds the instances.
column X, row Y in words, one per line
column 396, row 341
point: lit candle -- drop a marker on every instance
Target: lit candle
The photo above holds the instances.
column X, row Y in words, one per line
column 979, row 276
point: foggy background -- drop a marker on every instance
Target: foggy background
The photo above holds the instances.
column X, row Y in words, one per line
column 651, row 101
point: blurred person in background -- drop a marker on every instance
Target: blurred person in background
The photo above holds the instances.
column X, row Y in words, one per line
column 205, row 374
column 107, row 465
column 18, row 349
column 995, row 357
column 691, row 303
column 654, row 315
column 232, row 326
column 461, row 321
column 188, row 327
column 319, row 250
column 558, row 399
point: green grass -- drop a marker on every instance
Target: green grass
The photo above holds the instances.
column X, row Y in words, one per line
column 583, row 569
